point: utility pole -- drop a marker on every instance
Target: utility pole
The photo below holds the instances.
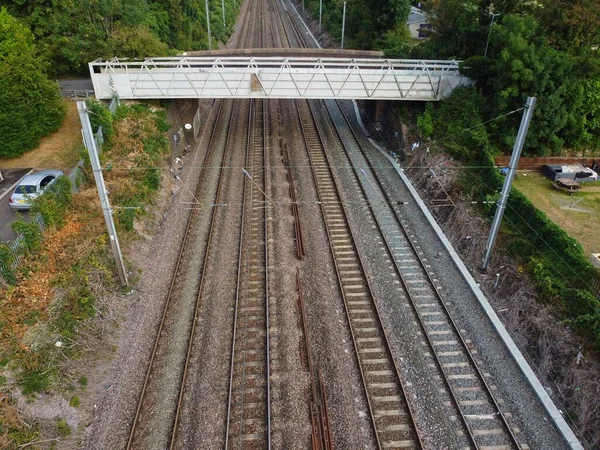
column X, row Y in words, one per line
column 343, row 25
column 490, row 33
column 208, row 25
column 320, row 14
column 90, row 144
column 223, row 7
column 512, row 166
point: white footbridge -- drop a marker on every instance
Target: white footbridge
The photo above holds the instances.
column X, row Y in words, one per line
column 284, row 77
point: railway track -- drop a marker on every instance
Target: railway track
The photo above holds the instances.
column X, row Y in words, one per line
column 391, row 414
column 484, row 422
column 146, row 407
column 249, row 404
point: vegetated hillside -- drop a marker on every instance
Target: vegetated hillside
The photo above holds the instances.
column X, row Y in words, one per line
column 547, row 49
column 73, row 33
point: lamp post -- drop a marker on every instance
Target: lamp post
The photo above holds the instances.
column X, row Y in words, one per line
column 490, row 32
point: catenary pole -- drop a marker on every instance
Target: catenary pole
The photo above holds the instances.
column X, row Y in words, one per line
column 343, row 25
column 208, row 25
column 90, row 144
column 487, row 43
column 512, row 166
column 320, row 14
column 223, row 7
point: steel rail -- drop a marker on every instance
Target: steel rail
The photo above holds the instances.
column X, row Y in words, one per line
column 198, row 303
column 190, row 220
column 433, row 286
column 250, row 159
column 386, row 349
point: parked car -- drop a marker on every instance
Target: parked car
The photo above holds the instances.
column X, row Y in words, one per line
column 32, row 186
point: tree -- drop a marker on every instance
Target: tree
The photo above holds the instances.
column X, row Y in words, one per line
column 30, row 104
column 135, row 42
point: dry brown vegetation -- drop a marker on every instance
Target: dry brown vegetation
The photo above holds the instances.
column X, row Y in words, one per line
column 55, row 297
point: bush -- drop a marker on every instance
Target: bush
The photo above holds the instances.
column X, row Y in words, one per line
column 6, row 260
column 32, row 235
column 425, row 122
column 100, row 116
column 54, row 203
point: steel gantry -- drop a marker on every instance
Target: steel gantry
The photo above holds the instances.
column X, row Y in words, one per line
column 276, row 77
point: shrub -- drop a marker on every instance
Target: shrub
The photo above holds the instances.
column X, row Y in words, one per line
column 54, row 202
column 63, row 427
column 6, row 260
column 32, row 235
column 100, row 116
column 425, row 122
column 30, row 103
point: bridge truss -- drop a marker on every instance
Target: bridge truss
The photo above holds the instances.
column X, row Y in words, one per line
column 276, row 77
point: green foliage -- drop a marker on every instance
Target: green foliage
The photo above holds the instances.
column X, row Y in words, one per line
column 83, row 381
column 30, row 104
column 34, row 381
column 32, row 235
column 75, row 402
column 63, row 428
column 54, row 203
column 6, row 260
column 369, row 24
column 425, row 122
column 100, row 116
column 533, row 51
column 135, row 42
column 76, row 32
column 456, row 124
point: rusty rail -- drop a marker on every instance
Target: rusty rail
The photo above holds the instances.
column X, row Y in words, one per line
column 319, row 413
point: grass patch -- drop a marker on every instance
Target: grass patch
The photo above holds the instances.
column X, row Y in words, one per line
column 63, row 428
column 56, row 151
column 34, row 381
column 75, row 402
column 577, row 214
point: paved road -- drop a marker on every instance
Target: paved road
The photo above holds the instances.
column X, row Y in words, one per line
column 7, row 215
column 71, row 88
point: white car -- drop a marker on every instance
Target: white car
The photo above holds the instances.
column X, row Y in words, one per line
column 32, row 186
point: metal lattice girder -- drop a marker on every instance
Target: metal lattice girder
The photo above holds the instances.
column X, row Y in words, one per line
column 276, row 77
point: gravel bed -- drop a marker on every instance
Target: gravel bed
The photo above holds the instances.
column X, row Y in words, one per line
column 115, row 407
column 162, row 393
column 331, row 342
column 536, row 428
column 289, row 375
column 204, row 409
column 421, row 382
